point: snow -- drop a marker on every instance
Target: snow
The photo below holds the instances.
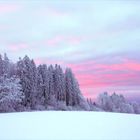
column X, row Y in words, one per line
column 58, row 125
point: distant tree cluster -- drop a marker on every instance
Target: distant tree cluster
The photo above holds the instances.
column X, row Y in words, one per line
column 25, row 86
column 114, row 103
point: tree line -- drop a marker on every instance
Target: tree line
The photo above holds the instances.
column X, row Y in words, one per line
column 114, row 103
column 38, row 87
column 24, row 86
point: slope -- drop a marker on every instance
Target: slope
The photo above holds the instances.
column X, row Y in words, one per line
column 57, row 125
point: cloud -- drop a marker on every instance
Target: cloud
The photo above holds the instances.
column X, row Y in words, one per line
column 93, row 75
column 51, row 11
column 129, row 66
column 61, row 39
column 8, row 8
column 98, row 40
column 15, row 47
column 55, row 41
column 4, row 27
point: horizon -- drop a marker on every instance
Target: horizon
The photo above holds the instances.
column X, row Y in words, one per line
column 99, row 41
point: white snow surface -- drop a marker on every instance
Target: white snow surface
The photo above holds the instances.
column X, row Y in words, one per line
column 59, row 125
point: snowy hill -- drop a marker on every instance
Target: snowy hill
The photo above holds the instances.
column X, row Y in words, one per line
column 53, row 125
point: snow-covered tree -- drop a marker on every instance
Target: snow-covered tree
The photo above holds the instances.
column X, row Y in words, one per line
column 69, row 87
column 40, row 86
column 1, row 65
column 22, row 72
column 26, row 70
column 126, row 108
column 117, row 100
column 59, row 82
column 6, row 65
column 115, row 103
column 12, row 70
column 73, row 93
column 43, row 84
column 136, row 107
column 105, row 102
column 11, row 94
column 51, row 91
column 33, row 82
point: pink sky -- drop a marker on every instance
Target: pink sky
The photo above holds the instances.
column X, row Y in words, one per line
column 100, row 41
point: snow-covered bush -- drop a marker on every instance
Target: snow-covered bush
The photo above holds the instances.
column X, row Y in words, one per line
column 40, row 107
column 136, row 107
column 116, row 103
column 126, row 108
column 11, row 94
column 93, row 106
column 105, row 102
column 83, row 103
column 61, row 105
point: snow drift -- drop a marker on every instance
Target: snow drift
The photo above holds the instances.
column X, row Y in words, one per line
column 57, row 125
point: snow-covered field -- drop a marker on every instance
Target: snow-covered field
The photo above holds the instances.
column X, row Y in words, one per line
column 55, row 125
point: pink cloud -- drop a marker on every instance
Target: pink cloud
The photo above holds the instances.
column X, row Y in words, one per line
column 8, row 8
column 132, row 66
column 4, row 27
column 53, row 12
column 130, row 23
column 92, row 74
column 56, row 12
column 55, row 41
column 128, row 65
column 17, row 46
column 105, row 81
column 75, row 40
